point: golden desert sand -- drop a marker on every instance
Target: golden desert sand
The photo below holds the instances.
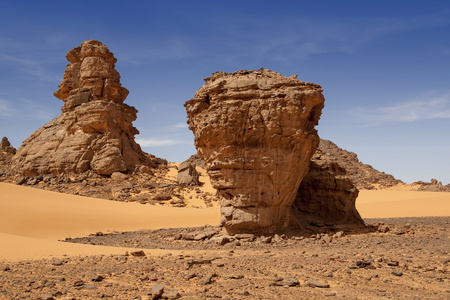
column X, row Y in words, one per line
column 33, row 220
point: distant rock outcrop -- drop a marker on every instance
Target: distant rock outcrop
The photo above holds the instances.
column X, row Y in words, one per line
column 195, row 159
column 94, row 131
column 363, row 176
column 5, row 146
column 433, row 186
column 255, row 132
column 6, row 154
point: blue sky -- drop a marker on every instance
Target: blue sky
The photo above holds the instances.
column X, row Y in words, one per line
column 384, row 67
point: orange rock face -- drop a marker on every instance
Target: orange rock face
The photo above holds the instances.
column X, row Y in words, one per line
column 255, row 132
column 94, row 131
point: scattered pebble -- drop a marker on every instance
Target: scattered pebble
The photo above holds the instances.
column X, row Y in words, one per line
column 78, row 283
column 97, row 278
column 137, row 253
column 171, row 295
column 315, row 283
column 57, row 263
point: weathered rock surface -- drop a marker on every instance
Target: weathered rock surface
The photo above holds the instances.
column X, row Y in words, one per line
column 187, row 174
column 6, row 154
column 94, row 131
column 255, row 132
column 195, row 159
column 5, row 146
column 327, row 195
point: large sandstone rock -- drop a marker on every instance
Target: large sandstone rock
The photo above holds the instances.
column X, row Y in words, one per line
column 94, row 131
column 326, row 196
column 255, row 132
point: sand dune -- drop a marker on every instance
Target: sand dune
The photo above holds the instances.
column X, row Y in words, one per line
column 44, row 214
column 32, row 220
column 396, row 204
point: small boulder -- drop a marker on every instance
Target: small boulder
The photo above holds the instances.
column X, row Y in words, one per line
column 137, row 253
column 187, row 174
column 383, row 228
column 117, row 176
column 315, row 283
column 220, row 240
column 171, row 295
column 97, row 278
column 162, row 197
column 157, row 291
column 57, row 263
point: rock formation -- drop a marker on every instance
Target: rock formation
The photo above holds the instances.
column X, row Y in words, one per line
column 196, row 160
column 94, row 131
column 433, row 186
column 187, row 174
column 5, row 146
column 6, row 154
column 255, row 132
column 363, row 176
column 326, row 196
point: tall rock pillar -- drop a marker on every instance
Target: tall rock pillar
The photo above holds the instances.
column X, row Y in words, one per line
column 94, row 131
column 255, row 132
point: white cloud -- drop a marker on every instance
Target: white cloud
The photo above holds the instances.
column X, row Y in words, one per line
column 302, row 38
column 179, row 126
column 5, row 108
column 430, row 106
column 147, row 142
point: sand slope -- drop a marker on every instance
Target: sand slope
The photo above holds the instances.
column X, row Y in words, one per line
column 32, row 220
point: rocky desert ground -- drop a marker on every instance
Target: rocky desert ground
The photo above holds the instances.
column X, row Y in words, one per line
column 398, row 258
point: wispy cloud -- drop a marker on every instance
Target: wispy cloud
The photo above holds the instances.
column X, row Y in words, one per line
column 6, row 109
column 306, row 37
column 179, row 126
column 430, row 106
column 30, row 67
column 146, row 142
